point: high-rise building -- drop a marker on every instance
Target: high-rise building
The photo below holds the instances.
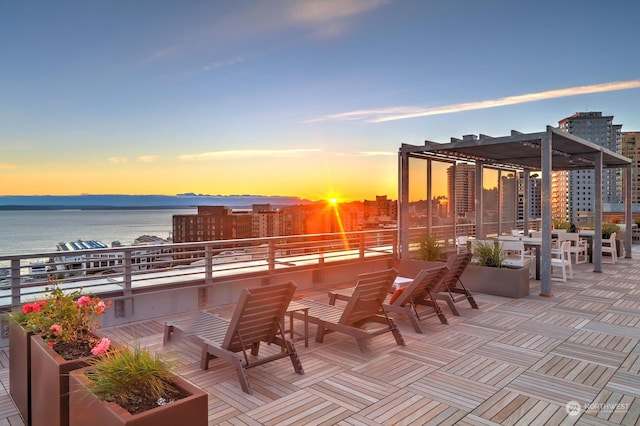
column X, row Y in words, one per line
column 534, row 200
column 464, row 181
column 266, row 222
column 631, row 149
column 600, row 130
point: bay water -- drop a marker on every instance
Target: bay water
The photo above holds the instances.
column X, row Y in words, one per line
column 38, row 231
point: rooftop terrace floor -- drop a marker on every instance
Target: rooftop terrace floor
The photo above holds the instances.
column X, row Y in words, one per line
column 511, row 362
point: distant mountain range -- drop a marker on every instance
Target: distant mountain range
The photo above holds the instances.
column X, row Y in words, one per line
column 100, row 202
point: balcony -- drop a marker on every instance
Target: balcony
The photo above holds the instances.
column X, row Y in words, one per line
column 510, row 361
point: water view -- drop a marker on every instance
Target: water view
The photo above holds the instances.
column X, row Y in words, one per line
column 37, row 231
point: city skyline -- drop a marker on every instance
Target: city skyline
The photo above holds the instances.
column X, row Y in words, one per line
column 293, row 98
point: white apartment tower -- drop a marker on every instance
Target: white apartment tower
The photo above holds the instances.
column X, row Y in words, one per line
column 600, row 130
column 631, row 149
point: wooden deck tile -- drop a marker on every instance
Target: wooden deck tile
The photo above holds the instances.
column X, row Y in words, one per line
column 528, row 340
column 454, row 390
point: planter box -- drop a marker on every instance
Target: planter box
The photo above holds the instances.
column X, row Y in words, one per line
column 50, row 397
column 86, row 409
column 506, row 282
column 20, row 369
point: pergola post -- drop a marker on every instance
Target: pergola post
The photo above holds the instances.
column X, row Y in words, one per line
column 628, row 213
column 479, row 201
column 403, row 200
column 525, row 201
column 545, row 258
column 597, row 214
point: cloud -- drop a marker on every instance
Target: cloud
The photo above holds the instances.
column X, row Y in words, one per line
column 118, row 160
column 366, row 154
column 328, row 19
column 401, row 113
column 243, row 154
column 321, row 11
column 220, row 64
column 162, row 53
column 147, row 158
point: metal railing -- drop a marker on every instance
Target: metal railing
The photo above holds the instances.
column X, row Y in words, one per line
column 121, row 270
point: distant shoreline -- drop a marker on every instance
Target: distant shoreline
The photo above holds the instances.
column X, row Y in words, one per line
column 76, row 207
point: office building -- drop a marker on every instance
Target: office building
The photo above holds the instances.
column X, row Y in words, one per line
column 600, row 130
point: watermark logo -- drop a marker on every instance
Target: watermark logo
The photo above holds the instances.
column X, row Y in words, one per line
column 573, row 408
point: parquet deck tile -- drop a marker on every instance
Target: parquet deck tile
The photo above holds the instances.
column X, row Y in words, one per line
column 452, row 389
column 618, row 330
column 507, row 408
column 590, row 354
column 528, row 340
column 552, row 389
column 404, row 407
column 395, row 370
column 603, row 341
column 427, row 354
column 457, row 341
column 514, row 355
column 483, row 370
column 582, row 306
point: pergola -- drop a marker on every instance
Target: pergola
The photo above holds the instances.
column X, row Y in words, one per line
column 541, row 152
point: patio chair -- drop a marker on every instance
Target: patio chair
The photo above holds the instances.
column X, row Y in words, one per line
column 258, row 317
column 452, row 290
column 560, row 258
column 578, row 246
column 461, row 244
column 609, row 247
column 363, row 317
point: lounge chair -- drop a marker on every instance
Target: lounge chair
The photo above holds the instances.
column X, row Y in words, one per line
column 406, row 300
column 258, row 317
column 363, row 317
column 452, row 290
column 420, row 292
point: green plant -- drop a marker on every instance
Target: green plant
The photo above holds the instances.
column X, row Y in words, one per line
column 133, row 378
column 608, row 229
column 430, row 248
column 488, row 253
column 560, row 224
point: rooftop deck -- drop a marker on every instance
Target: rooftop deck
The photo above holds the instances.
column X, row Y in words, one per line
column 513, row 361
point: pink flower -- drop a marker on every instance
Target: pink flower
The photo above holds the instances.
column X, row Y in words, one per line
column 101, row 347
column 27, row 308
column 56, row 328
column 100, row 307
column 50, row 344
column 84, row 300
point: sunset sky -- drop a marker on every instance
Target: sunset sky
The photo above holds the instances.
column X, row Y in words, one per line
column 282, row 97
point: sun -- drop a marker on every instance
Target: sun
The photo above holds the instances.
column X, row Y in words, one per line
column 333, row 201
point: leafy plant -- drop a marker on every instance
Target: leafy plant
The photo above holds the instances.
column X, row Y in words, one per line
column 66, row 319
column 488, row 253
column 430, row 248
column 129, row 376
column 608, row 229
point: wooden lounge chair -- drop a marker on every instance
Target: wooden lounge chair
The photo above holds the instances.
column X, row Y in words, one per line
column 452, row 290
column 258, row 317
column 420, row 291
column 371, row 277
column 363, row 317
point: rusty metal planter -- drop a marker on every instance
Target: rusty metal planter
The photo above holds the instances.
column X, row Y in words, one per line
column 20, row 369
column 50, row 384
column 85, row 408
